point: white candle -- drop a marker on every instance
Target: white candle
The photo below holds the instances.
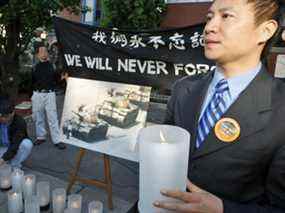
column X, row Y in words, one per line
column 29, row 183
column 5, row 182
column 58, row 200
column 68, row 210
column 43, row 193
column 163, row 154
column 5, row 176
column 74, row 202
column 15, row 202
column 32, row 204
column 95, row 207
column 17, row 179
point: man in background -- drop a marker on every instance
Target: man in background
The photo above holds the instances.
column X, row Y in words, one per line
column 37, row 39
column 44, row 98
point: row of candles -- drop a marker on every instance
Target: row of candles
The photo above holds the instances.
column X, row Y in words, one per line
column 36, row 196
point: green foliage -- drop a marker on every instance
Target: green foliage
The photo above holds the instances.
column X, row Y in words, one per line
column 25, row 82
column 18, row 21
column 24, row 16
column 133, row 14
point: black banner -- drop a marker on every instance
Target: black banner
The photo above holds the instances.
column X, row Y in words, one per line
column 152, row 58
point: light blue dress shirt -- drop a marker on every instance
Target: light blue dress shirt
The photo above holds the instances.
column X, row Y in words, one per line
column 236, row 84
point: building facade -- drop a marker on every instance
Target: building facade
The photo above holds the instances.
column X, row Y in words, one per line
column 179, row 12
column 182, row 13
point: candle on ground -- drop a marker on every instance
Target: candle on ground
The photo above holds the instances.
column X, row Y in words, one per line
column 17, row 179
column 58, row 200
column 29, row 184
column 15, row 202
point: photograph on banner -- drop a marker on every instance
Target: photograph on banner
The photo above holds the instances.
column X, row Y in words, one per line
column 98, row 111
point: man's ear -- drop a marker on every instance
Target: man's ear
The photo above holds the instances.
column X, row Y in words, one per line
column 267, row 30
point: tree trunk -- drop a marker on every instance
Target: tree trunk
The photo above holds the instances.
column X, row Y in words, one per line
column 10, row 61
column 9, row 78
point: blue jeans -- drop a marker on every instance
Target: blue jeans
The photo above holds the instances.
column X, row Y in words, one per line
column 23, row 153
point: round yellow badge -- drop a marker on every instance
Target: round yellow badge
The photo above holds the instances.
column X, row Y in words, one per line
column 227, row 130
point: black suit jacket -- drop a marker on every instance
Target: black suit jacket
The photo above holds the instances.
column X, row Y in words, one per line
column 248, row 174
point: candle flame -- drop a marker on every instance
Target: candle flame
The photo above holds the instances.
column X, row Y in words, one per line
column 28, row 180
column 162, row 138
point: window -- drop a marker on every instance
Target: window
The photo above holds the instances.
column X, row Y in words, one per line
column 93, row 15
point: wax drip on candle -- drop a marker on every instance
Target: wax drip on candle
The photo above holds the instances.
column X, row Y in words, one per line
column 162, row 138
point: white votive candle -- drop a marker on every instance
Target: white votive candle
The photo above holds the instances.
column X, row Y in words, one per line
column 5, row 182
column 74, row 202
column 163, row 155
column 68, row 210
column 95, row 207
column 29, row 184
column 32, row 204
column 58, row 200
column 5, row 176
column 17, row 179
column 15, row 202
column 43, row 193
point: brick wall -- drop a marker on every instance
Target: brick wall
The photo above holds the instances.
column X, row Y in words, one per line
column 185, row 14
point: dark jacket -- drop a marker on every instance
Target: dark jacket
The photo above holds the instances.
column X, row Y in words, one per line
column 43, row 76
column 17, row 131
column 249, row 173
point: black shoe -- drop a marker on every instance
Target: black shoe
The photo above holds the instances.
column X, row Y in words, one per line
column 60, row 145
column 39, row 141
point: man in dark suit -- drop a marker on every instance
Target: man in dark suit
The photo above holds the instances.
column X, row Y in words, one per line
column 236, row 116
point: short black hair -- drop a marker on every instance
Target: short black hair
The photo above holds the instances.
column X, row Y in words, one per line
column 6, row 106
column 266, row 10
column 38, row 45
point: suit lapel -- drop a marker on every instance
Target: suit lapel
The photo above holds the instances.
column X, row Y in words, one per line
column 251, row 110
column 192, row 106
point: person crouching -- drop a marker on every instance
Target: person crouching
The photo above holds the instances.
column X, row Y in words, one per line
column 15, row 146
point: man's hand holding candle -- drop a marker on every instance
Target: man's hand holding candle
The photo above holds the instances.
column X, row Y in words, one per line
column 197, row 200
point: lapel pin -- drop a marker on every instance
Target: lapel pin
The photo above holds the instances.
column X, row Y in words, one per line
column 227, row 130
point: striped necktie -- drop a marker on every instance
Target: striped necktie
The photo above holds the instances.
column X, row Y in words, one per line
column 213, row 112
